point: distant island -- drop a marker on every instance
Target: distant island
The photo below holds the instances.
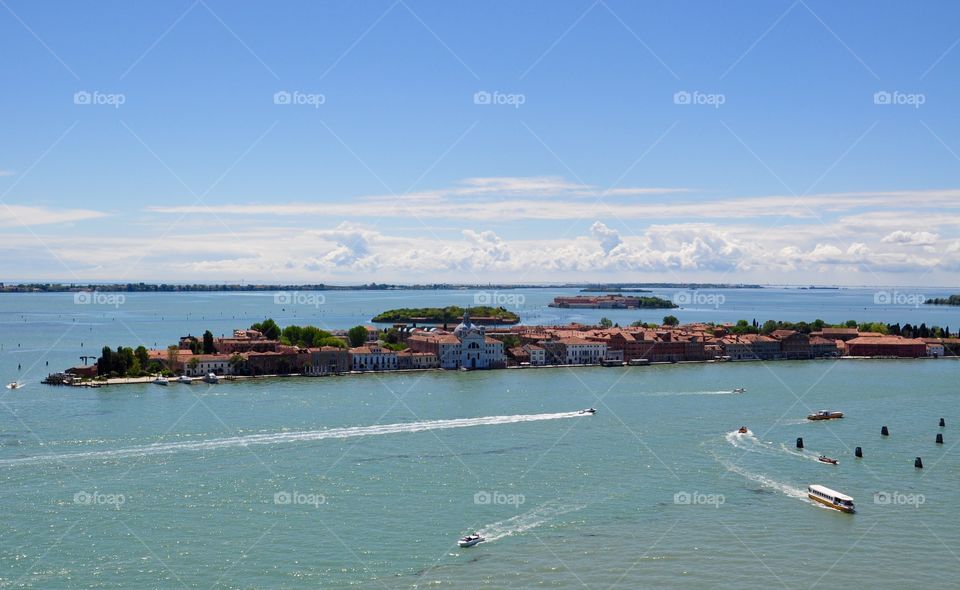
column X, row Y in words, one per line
column 604, row 289
column 612, row 302
column 951, row 300
column 444, row 315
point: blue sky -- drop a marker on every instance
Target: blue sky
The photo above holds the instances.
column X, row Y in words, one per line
column 590, row 163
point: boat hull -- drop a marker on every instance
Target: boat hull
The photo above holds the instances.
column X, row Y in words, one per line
column 822, row 501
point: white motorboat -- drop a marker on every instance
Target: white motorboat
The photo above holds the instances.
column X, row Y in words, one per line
column 588, row 411
column 184, row 379
column 471, row 540
column 211, row 378
column 14, row 385
column 740, row 390
column 161, row 380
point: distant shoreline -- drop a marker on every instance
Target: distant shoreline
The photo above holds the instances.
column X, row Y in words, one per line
column 241, row 288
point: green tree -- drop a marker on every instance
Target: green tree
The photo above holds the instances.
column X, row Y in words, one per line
column 268, row 328
column 637, row 324
column 357, row 336
column 768, row 327
column 105, row 362
column 605, row 323
column 208, row 347
column 671, row 320
column 142, row 355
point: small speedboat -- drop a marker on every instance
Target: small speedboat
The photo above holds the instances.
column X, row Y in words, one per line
column 824, row 459
column 13, row 385
column 740, row 390
column 743, row 430
column 184, row 379
column 211, row 378
column 588, row 411
column 470, row 540
column 161, row 380
column 825, row 415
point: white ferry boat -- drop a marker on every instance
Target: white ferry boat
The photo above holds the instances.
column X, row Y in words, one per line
column 831, row 498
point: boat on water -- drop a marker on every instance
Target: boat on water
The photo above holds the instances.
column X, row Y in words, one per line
column 14, row 385
column 740, row 390
column 184, row 379
column 471, row 540
column 588, row 411
column 830, row 498
column 211, row 378
column 825, row 459
column 743, row 430
column 161, row 380
column 825, row 415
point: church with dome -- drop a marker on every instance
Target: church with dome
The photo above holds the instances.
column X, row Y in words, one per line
column 468, row 347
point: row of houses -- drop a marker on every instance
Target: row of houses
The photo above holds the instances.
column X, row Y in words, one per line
column 697, row 342
column 469, row 346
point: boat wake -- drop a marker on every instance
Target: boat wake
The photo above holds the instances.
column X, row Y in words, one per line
column 765, row 481
column 749, row 442
column 289, row 437
column 717, row 392
column 529, row 520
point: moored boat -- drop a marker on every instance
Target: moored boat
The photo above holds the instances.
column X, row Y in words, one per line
column 211, row 378
column 471, row 540
column 184, row 379
column 161, row 380
column 831, row 498
column 825, row 415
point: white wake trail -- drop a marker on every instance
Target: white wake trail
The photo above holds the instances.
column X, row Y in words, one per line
column 528, row 520
column 287, row 437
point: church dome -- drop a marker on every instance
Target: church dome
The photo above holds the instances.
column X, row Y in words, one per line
column 466, row 327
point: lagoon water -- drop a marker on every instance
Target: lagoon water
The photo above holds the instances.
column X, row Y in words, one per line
column 367, row 481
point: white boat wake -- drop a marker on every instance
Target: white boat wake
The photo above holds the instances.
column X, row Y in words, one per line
column 528, row 520
column 767, row 482
column 716, row 392
column 749, row 442
column 288, row 437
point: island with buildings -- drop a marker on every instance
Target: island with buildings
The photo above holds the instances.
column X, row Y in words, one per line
column 612, row 302
column 265, row 349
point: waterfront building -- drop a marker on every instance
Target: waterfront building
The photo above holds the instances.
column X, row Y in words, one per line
column 887, row 346
column 325, row 360
column 538, row 356
column 793, row 344
column 468, row 347
column 372, row 357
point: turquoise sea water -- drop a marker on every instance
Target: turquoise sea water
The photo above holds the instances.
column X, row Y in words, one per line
column 367, row 481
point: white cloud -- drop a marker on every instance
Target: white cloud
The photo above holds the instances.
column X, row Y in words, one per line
column 24, row 216
column 907, row 238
